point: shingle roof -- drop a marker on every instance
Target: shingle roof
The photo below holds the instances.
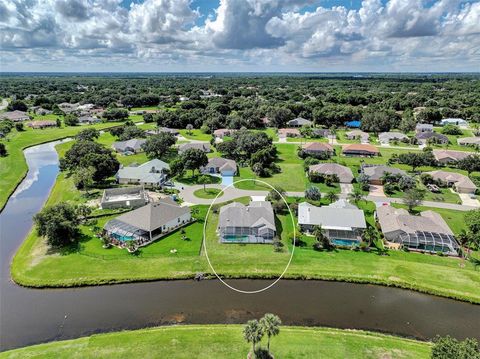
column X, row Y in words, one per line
column 457, row 178
column 343, row 173
column 153, row 215
column 222, row 163
column 256, row 214
column 359, row 147
column 299, row 121
column 428, row 135
column 135, row 144
column 317, row 147
column 14, row 115
column 450, row 155
column 377, row 172
column 196, row 145
column 469, row 140
column 389, row 136
column 331, row 217
column 148, row 172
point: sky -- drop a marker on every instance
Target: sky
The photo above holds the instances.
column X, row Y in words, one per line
column 240, row 35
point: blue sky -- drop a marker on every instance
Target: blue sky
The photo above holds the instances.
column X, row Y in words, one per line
column 240, row 35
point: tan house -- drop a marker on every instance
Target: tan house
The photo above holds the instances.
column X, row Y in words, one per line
column 317, row 148
column 360, row 150
column 343, row 173
column 469, row 141
column 449, row 156
column 375, row 173
column 42, row 124
column 357, row 135
column 461, row 183
column 288, row 132
column 15, row 116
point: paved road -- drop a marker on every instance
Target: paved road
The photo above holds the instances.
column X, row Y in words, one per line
column 458, row 207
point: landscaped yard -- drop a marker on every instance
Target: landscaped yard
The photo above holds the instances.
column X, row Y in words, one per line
column 207, row 193
column 196, row 135
column 226, row 341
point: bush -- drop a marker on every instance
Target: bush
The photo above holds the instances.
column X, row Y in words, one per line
column 313, row 193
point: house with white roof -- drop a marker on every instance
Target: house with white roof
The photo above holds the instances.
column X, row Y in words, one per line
column 150, row 174
column 453, row 121
column 342, row 222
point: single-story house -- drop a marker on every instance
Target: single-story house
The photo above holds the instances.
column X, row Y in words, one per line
column 453, row 121
column 205, row 147
column 148, row 223
column 288, row 132
column 423, row 137
column 343, row 173
column 68, row 107
column 86, row 120
column 222, row 132
column 150, row 174
column 15, row 116
column 386, row 137
column 357, row 135
column 317, row 148
column 360, row 149
column 299, row 122
column 353, row 124
column 461, row 183
column 124, row 197
column 341, row 221
column 159, row 130
column 42, row 124
column 375, row 173
column 223, row 166
column 469, row 141
column 449, row 156
column 427, row 232
column 321, row 132
column 130, row 146
column 254, row 223
column 42, row 111
column 423, row 127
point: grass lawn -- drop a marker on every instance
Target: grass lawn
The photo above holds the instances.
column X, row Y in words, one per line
column 207, row 193
column 196, row 135
column 226, row 341
column 13, row 167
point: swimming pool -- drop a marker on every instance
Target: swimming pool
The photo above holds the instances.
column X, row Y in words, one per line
column 345, row 242
column 235, row 239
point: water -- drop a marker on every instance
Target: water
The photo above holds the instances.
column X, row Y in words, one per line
column 29, row 316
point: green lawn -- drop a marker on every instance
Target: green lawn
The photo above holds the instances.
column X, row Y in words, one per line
column 13, row 167
column 226, row 341
column 196, row 135
column 207, row 193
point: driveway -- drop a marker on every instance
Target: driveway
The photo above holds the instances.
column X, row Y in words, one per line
column 376, row 191
column 468, row 201
column 346, row 188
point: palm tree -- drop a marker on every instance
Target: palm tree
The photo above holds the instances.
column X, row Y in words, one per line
column 253, row 333
column 320, row 237
column 332, row 196
column 356, row 196
column 464, row 239
column 270, row 324
column 369, row 235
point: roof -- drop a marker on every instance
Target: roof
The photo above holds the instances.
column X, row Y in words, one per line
column 153, row 215
column 453, row 120
column 317, row 147
column 335, row 216
column 43, row 123
column 256, row 214
column 357, row 133
column 388, row 136
column 196, row 145
column 343, row 173
column 469, row 140
column 377, row 172
column 135, row 144
column 450, row 155
column 222, row 131
column 83, row 119
column 14, row 115
column 398, row 219
column 427, row 135
column 222, row 163
column 285, row 131
column 359, row 147
column 355, row 124
column 452, row 177
column 148, row 172
column 424, row 126
column 299, row 121
column 158, row 130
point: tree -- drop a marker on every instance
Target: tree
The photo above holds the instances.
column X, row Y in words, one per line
column 71, row 120
column 429, row 115
column 58, row 224
column 115, row 114
column 472, row 219
column 451, row 348
column 413, row 198
column 157, row 146
column 369, row 235
column 322, row 241
column 450, row 129
column 270, row 324
column 177, row 168
column 19, row 126
column 416, row 160
column 332, row 196
column 379, row 121
column 130, row 132
column 83, row 178
column 189, row 128
column 203, row 180
column 356, row 196
column 252, row 332
column 3, row 150
column 85, row 154
column 313, row 193
column 408, row 122
column 17, row 105
column 193, row 159
column 469, row 164
column 88, row 134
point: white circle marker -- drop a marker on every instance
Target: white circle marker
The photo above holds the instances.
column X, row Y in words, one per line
column 205, row 237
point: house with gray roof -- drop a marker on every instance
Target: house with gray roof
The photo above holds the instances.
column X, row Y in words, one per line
column 446, row 157
column 124, row 197
column 205, row 147
column 88, row 119
column 15, row 116
column 130, row 146
column 159, row 130
column 423, row 127
column 469, row 141
column 386, row 137
column 148, row 223
column 358, row 135
column 220, row 165
column 376, row 173
column 424, row 137
column 299, row 122
column 342, row 222
column 343, row 173
column 254, row 223
column 427, row 232
column 461, row 183
column 149, row 174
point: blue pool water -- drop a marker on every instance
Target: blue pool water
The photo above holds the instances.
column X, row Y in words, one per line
column 344, row 242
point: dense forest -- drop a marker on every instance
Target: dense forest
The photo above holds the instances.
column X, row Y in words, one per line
column 216, row 101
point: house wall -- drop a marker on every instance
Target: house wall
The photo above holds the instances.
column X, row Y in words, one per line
column 133, row 203
column 174, row 223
